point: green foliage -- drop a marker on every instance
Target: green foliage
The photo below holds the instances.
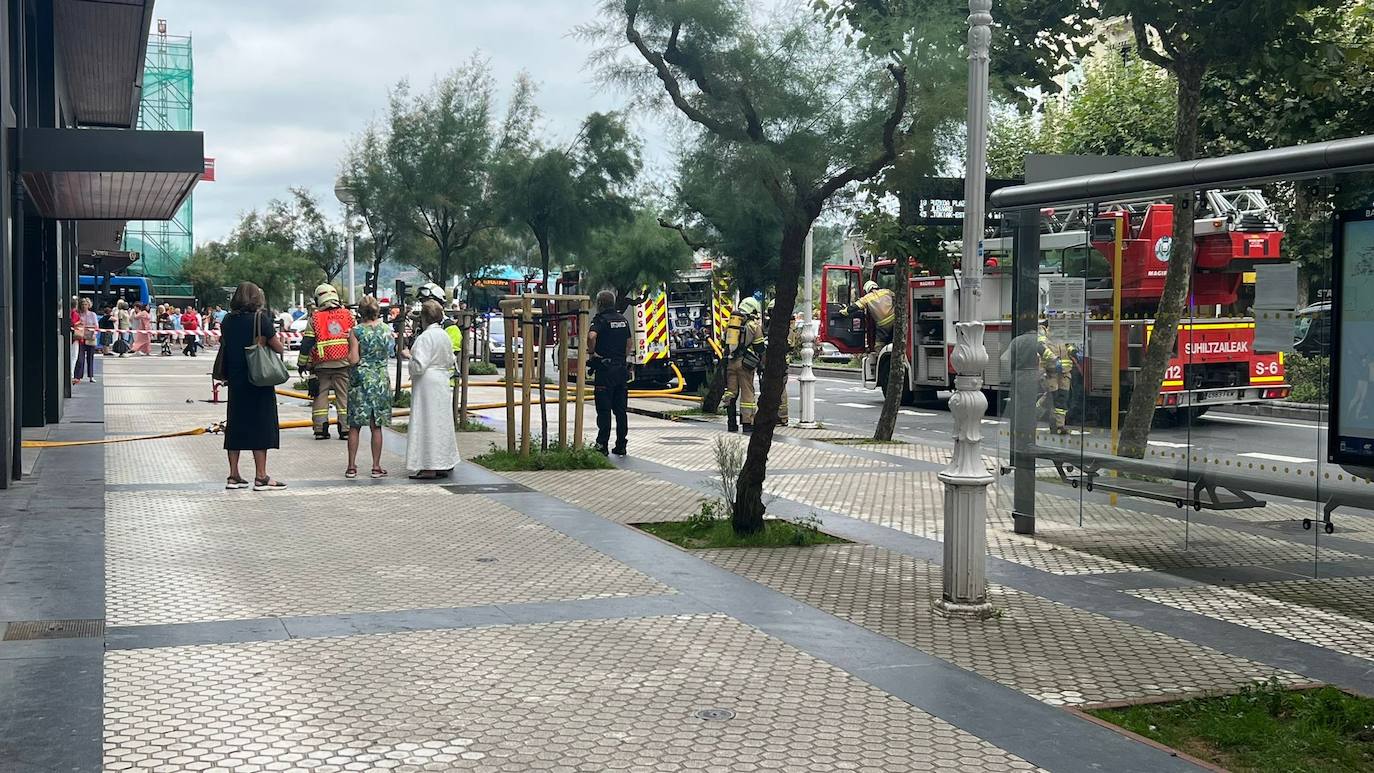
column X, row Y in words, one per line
column 206, row 271
column 708, row 530
column 632, row 254
column 1310, row 377
column 556, row 458
column 481, row 368
column 445, row 146
column 562, row 195
column 300, row 225
column 886, row 237
column 1263, row 728
column 471, row 426
column 401, row 400
column 381, row 200
column 261, row 250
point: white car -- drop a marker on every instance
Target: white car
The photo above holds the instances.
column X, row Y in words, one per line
column 298, row 328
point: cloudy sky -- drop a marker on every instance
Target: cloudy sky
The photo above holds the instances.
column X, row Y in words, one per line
column 281, row 85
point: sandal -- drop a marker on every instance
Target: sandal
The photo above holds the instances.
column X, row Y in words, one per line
column 267, row 484
column 378, row 472
column 232, row 483
column 351, row 472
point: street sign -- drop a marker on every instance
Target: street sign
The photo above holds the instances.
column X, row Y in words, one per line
column 1351, row 436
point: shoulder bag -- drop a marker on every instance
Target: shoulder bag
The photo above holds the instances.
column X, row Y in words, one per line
column 265, row 368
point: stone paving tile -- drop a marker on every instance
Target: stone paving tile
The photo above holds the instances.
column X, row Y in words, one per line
column 571, row 696
column 691, row 449
column 618, row 495
column 1335, row 613
column 174, row 557
column 201, row 459
column 1052, row 652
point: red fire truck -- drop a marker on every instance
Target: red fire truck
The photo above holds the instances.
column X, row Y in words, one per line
column 1216, row 362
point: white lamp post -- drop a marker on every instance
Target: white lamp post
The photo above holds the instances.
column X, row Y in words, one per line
column 807, row 380
column 967, row 478
column 348, row 198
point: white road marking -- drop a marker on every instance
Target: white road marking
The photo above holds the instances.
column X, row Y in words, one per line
column 1279, row 458
column 991, row 421
column 854, row 405
column 1247, row 420
column 909, row 412
column 1166, row 444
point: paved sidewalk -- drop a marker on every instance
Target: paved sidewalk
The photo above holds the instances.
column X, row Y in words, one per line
column 516, row 623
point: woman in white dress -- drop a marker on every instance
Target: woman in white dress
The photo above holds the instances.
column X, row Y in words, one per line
column 432, row 448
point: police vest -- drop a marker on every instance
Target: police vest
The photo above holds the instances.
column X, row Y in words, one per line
column 331, row 327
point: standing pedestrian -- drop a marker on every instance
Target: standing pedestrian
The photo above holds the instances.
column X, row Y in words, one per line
column 611, row 345
column 251, row 416
column 369, row 392
column 75, row 321
column 123, row 324
column 431, row 447
column 106, row 324
column 743, row 335
column 190, row 322
column 324, row 352
column 86, row 332
column 142, row 324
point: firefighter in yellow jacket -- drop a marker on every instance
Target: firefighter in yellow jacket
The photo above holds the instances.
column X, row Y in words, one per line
column 324, row 353
column 743, row 340
column 1056, row 379
column 881, row 306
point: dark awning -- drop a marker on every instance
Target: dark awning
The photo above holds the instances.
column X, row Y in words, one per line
column 101, row 262
column 101, row 45
column 99, row 235
column 98, row 174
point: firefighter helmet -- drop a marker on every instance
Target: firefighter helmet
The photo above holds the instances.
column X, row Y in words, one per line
column 870, row 286
column 750, row 307
column 430, row 291
column 326, row 294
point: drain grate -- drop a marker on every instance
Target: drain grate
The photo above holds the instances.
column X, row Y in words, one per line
column 487, row 488
column 32, row 630
column 717, row 715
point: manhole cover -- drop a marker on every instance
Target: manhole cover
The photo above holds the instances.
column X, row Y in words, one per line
column 681, row 440
column 717, row 715
column 31, row 630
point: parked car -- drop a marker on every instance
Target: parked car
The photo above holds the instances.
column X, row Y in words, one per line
column 1312, row 330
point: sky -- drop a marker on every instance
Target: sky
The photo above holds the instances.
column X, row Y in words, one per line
column 282, row 85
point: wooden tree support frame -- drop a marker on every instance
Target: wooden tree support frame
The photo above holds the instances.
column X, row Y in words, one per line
column 533, row 314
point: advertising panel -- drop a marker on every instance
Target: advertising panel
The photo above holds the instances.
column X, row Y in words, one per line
column 1351, row 436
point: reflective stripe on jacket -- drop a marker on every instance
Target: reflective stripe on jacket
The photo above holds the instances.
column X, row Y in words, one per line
column 331, row 327
column 881, row 305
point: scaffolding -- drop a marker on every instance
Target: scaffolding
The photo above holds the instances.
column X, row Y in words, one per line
column 166, row 106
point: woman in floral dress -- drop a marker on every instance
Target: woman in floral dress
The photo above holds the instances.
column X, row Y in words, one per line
column 369, row 394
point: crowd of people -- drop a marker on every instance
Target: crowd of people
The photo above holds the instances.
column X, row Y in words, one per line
column 131, row 329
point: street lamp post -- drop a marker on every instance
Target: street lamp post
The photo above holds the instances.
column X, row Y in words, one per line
column 348, row 198
column 807, row 380
column 967, row 478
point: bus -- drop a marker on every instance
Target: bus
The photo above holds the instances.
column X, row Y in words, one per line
column 130, row 289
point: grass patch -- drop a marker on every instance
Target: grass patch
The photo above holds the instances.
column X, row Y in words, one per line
column 867, row 441
column 300, row 385
column 471, row 426
column 402, row 400
column 400, row 426
column 705, row 534
column 481, row 368
column 691, row 412
column 1263, row 728
column 555, row 458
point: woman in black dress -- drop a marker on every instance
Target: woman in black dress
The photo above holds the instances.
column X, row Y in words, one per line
column 251, row 421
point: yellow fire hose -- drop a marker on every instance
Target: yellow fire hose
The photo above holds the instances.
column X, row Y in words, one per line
column 106, row 441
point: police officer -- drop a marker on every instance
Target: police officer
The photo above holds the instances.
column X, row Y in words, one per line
column 1056, row 378
column 881, row 306
column 611, row 344
column 324, row 354
column 743, row 344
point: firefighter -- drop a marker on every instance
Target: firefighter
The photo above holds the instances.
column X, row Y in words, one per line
column 455, row 334
column 743, row 341
column 324, row 354
column 881, row 306
column 1056, row 361
column 793, row 348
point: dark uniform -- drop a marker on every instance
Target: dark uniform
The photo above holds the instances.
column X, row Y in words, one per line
column 611, row 377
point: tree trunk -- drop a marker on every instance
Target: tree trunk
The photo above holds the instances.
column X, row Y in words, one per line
column 715, row 388
column 1135, row 429
column 896, row 363
column 747, row 517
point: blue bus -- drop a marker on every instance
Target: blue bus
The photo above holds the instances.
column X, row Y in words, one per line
column 131, row 289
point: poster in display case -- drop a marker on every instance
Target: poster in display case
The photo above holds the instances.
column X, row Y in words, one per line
column 1350, row 437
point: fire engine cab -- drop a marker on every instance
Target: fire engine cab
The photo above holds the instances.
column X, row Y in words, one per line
column 1216, row 362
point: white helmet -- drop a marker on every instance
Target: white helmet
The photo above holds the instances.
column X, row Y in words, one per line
column 326, row 294
column 870, row 286
column 430, row 291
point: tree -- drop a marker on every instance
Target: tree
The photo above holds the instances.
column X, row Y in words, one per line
column 808, row 117
column 301, row 228
column 445, row 146
column 206, row 271
column 381, row 201
column 633, row 254
column 1193, row 37
column 562, row 195
column 260, row 252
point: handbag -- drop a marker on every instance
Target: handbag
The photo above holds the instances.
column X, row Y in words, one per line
column 265, row 368
column 120, row 345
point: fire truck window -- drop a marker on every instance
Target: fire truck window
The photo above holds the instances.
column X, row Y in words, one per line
column 839, row 289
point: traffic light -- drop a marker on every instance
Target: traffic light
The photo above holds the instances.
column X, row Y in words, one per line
column 400, row 298
column 370, row 283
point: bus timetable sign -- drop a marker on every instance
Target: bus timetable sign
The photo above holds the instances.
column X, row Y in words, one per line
column 1351, row 434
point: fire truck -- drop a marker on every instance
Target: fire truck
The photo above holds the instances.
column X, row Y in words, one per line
column 679, row 323
column 1216, row 362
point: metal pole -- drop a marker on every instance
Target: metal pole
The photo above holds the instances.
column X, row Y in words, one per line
column 807, row 379
column 967, row 478
column 352, row 284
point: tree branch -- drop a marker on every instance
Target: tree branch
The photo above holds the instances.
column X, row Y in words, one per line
column 686, row 238
column 1143, row 47
column 875, row 165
